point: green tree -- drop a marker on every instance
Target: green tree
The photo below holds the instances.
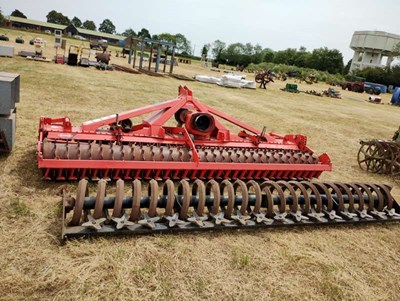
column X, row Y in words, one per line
column 385, row 76
column 346, row 69
column 375, row 75
column 183, row 45
column 1, row 18
column 241, row 54
column 76, row 22
column 257, row 56
column 286, row 57
column 129, row 32
column 144, row 33
column 268, row 55
column 217, row 49
column 166, row 37
column 396, row 50
column 394, row 76
column 57, row 18
column 204, row 50
column 89, row 25
column 301, row 57
column 18, row 13
column 325, row 59
column 232, row 54
column 107, row 26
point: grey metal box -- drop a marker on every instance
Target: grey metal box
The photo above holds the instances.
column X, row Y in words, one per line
column 17, row 82
column 7, row 95
column 7, row 126
column 6, row 50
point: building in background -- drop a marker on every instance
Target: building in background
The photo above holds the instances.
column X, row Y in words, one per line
column 70, row 30
column 373, row 49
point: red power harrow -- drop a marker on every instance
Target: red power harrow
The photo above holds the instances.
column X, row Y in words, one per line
column 222, row 180
column 200, row 146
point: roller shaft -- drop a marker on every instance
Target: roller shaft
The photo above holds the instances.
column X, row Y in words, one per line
column 109, row 201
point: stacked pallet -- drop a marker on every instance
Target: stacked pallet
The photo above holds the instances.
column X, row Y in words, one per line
column 6, row 51
column 9, row 97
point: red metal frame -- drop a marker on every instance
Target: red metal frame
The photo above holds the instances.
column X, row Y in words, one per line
column 153, row 130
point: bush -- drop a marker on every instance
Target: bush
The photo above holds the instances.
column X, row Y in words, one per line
column 321, row 75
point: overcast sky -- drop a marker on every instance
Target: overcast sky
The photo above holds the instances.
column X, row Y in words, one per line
column 277, row 24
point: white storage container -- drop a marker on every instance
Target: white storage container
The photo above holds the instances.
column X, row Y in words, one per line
column 6, row 50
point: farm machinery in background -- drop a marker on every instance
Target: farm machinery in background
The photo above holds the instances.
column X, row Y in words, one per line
column 263, row 78
column 330, row 92
column 39, row 45
column 380, row 156
column 99, row 44
column 37, row 54
column 19, row 40
column 361, row 87
column 4, row 37
column 80, row 56
column 195, row 175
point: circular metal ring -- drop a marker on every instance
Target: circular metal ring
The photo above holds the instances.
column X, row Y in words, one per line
column 169, row 191
column 270, row 202
column 184, row 191
column 82, row 192
column 119, row 197
column 199, row 189
column 101, row 193
column 136, row 197
column 226, row 185
column 153, row 194
column 286, row 186
column 245, row 195
column 316, row 195
column 258, row 194
column 212, row 186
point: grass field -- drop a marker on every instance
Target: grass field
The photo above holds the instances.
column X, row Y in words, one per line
column 344, row 263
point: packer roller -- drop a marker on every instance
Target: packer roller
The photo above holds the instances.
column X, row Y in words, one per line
column 159, row 207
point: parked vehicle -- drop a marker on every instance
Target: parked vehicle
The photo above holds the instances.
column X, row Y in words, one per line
column 80, row 37
column 19, row 40
column 3, row 37
column 353, row 86
column 39, row 44
column 361, row 87
column 99, row 44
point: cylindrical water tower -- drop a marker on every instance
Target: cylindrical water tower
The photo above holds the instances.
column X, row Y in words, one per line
column 371, row 47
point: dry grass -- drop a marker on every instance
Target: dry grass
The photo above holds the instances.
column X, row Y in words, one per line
column 345, row 263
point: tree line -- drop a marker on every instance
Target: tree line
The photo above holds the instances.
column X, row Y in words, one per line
column 58, row 18
column 385, row 76
column 324, row 59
